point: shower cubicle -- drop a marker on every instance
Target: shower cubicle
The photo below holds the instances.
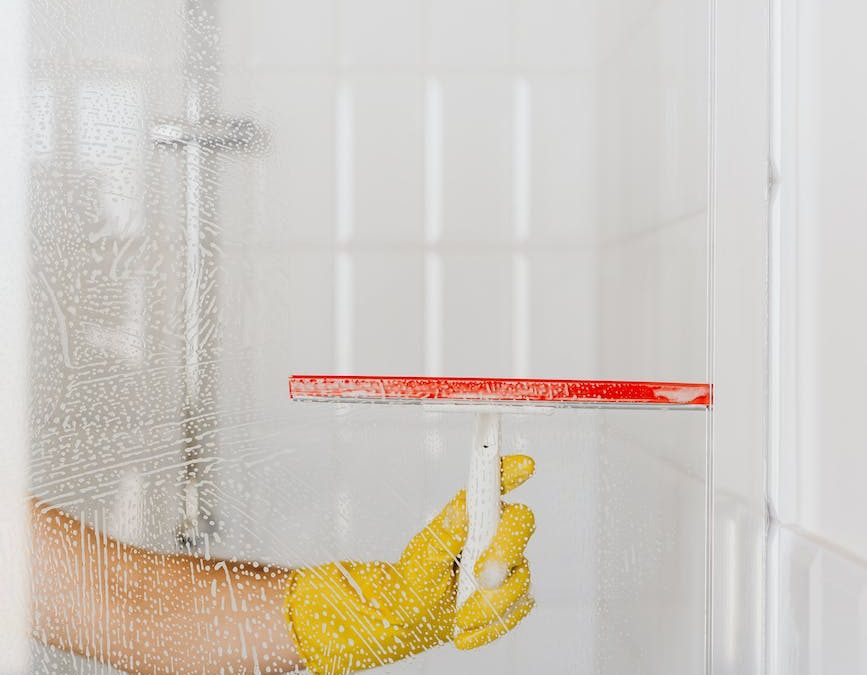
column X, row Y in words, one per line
column 220, row 194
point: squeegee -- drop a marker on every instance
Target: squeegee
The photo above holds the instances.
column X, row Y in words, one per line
column 489, row 399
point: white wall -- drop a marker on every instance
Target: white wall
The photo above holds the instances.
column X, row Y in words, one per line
column 820, row 498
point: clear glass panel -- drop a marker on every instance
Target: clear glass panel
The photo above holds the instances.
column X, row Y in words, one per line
column 617, row 558
column 223, row 193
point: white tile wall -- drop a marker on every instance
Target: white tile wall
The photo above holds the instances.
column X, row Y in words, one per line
column 269, row 335
column 652, row 104
column 388, row 317
column 134, row 36
column 291, row 192
column 520, row 157
column 288, row 33
column 477, row 130
column 562, row 298
column 477, row 304
column 651, row 562
column 311, row 316
column 617, row 21
column 236, row 33
column 381, row 33
column 821, row 189
column 556, row 34
column 562, row 130
column 653, row 315
column 388, row 158
column 822, row 612
column 469, row 33
column 819, row 614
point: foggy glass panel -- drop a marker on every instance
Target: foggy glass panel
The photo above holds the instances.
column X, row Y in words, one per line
column 221, row 194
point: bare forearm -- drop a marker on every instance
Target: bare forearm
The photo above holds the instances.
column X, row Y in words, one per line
column 143, row 611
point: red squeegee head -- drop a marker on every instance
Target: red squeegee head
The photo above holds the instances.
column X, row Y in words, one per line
column 488, row 397
column 498, row 390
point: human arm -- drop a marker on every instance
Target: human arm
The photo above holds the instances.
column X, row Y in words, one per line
column 149, row 612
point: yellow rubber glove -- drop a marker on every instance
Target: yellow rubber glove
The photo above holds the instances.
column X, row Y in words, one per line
column 348, row 616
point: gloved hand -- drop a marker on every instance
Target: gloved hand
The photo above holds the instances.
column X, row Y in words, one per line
column 348, row 616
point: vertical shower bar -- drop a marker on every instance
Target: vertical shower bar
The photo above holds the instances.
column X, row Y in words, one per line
column 201, row 135
column 201, row 93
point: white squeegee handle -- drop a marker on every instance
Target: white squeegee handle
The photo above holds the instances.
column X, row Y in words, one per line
column 483, row 499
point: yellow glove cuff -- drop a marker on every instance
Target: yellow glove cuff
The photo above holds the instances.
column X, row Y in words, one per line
column 350, row 616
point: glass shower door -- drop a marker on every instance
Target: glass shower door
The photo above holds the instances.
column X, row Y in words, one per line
column 222, row 194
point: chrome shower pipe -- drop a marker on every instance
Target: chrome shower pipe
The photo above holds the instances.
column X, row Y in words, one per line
column 201, row 134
